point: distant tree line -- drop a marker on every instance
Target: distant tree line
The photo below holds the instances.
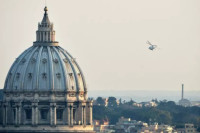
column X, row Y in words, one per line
column 167, row 112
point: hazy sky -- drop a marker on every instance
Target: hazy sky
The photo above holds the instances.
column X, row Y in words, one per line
column 108, row 39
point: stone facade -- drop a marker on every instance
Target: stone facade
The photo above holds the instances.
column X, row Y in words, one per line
column 45, row 90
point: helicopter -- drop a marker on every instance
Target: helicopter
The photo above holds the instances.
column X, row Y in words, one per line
column 151, row 47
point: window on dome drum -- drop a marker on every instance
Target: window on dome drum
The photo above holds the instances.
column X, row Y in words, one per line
column 48, row 36
column 28, row 114
column 43, row 113
column 59, row 114
column 14, row 114
column 42, row 37
column 74, row 113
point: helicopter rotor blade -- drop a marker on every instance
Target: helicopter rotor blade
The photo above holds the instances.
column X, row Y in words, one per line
column 149, row 43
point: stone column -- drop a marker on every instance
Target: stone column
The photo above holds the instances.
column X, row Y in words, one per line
column 18, row 114
column 40, row 36
column 37, row 36
column 43, row 36
column 50, row 36
column 53, row 114
column 90, row 115
column 68, row 115
column 53, row 36
column 71, row 116
column 15, row 115
column 84, row 115
column 5, row 119
column 55, row 119
column 90, row 110
column 34, row 113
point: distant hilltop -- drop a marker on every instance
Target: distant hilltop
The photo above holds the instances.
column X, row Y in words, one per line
column 146, row 95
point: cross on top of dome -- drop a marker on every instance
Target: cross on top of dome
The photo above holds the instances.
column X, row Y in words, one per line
column 45, row 9
column 45, row 18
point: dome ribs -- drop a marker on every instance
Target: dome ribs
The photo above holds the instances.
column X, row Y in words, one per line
column 28, row 85
column 26, row 66
column 43, row 82
column 73, row 69
column 82, row 75
column 9, row 77
column 63, row 68
column 57, row 68
column 46, row 68
column 15, row 68
column 51, row 76
column 37, row 69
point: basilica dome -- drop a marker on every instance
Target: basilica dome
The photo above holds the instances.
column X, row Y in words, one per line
column 45, row 65
column 45, row 90
column 45, row 68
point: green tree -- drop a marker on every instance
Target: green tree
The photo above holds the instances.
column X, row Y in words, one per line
column 131, row 102
column 167, row 112
column 100, row 101
column 112, row 102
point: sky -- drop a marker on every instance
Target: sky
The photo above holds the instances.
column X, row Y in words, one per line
column 108, row 39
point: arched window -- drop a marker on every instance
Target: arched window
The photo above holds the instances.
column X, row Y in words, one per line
column 14, row 114
column 41, row 36
column 74, row 114
column 28, row 114
column 43, row 114
column 49, row 36
column 59, row 114
column 45, row 36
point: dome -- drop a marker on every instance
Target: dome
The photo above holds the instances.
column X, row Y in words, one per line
column 45, row 68
column 45, row 65
column 45, row 89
